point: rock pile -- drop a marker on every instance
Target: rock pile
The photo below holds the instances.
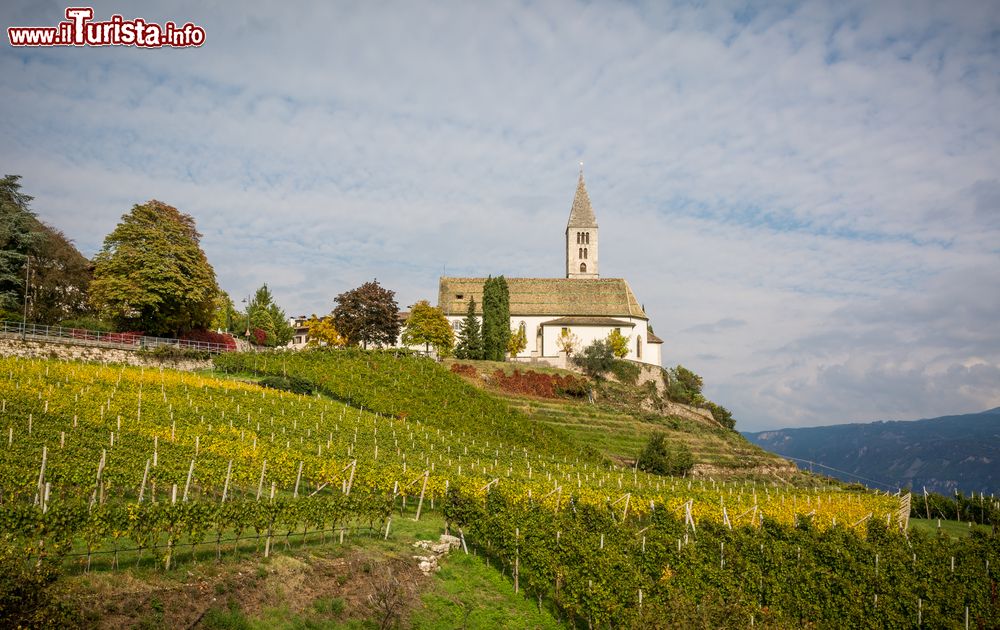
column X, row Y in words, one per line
column 429, row 564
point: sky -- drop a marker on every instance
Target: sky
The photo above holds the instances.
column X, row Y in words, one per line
column 804, row 196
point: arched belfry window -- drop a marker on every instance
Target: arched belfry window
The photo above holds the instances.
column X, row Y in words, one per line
column 586, row 238
column 583, row 267
column 585, row 252
column 580, row 253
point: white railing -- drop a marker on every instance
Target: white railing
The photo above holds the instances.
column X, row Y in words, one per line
column 84, row 337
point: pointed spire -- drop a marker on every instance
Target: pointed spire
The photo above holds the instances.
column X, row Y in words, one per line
column 582, row 214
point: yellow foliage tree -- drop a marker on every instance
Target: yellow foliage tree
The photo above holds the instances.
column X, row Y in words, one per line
column 618, row 343
column 322, row 332
column 518, row 341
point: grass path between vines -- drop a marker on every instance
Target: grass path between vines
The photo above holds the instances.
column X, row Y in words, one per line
column 316, row 586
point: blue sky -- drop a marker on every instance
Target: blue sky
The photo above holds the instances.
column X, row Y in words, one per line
column 805, row 196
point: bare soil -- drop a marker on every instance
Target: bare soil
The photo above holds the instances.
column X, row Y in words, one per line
column 369, row 583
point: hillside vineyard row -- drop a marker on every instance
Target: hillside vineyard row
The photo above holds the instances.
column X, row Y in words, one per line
column 101, row 458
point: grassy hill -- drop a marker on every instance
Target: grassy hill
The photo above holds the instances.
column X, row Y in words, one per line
column 149, row 475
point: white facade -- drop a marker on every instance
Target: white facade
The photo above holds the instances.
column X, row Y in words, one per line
column 543, row 336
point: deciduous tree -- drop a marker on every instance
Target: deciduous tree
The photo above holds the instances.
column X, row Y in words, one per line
column 618, row 343
column 428, row 326
column 517, row 341
column 322, row 332
column 152, row 274
column 567, row 342
column 367, row 315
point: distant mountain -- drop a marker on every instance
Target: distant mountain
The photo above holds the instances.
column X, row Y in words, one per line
column 943, row 454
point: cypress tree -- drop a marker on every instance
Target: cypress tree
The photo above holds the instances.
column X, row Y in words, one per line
column 496, row 318
column 470, row 340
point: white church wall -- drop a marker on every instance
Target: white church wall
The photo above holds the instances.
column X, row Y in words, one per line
column 548, row 347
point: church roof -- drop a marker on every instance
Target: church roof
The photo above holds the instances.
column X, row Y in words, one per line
column 581, row 215
column 588, row 321
column 579, row 297
column 651, row 338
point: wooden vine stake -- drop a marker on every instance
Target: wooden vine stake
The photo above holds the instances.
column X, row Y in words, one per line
column 270, row 527
column 187, row 485
column 39, row 498
column 225, row 488
column 97, row 484
column 298, row 479
column 142, row 488
column 260, row 484
column 420, row 504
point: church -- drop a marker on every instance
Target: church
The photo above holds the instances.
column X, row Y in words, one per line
column 582, row 303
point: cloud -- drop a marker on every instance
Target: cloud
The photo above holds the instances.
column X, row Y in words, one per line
column 803, row 196
column 725, row 323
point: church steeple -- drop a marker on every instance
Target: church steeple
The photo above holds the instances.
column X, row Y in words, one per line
column 581, row 235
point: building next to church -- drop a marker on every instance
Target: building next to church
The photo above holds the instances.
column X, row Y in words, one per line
column 582, row 303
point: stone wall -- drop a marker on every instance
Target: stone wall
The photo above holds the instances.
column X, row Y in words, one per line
column 70, row 352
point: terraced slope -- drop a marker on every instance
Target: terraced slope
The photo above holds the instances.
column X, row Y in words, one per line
column 621, row 436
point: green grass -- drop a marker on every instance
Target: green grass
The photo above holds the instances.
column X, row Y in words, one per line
column 469, row 594
column 952, row 529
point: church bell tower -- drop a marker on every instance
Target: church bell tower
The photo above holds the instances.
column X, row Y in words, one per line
column 581, row 235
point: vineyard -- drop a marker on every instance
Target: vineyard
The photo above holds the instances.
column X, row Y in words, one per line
column 103, row 462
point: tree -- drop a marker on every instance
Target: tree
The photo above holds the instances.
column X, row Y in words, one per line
column 470, row 340
column 19, row 236
column 427, row 325
column 225, row 317
column 266, row 315
column 722, row 415
column 684, row 386
column 152, row 274
column 596, row 359
column 322, row 332
column 496, row 318
column 367, row 315
column 567, row 342
column 618, row 343
column 60, row 279
column 58, row 274
column 517, row 341
column 660, row 457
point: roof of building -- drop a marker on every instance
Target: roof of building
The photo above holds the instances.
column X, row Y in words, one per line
column 581, row 215
column 651, row 338
column 576, row 297
column 588, row 321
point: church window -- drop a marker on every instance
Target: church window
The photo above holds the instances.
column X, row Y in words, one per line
column 583, row 267
column 584, row 252
column 459, row 296
column 586, row 238
column 638, row 347
column 580, row 253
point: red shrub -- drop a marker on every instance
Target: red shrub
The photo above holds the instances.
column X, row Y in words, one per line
column 258, row 336
column 464, row 369
column 210, row 336
column 538, row 384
